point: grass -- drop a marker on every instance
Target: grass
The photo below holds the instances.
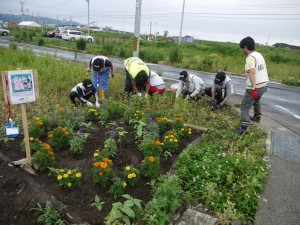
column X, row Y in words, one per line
column 208, row 56
column 225, row 172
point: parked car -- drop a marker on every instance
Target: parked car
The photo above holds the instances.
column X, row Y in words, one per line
column 74, row 35
column 4, row 32
column 51, row 34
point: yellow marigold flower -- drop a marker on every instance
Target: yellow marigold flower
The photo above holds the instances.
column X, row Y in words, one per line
column 67, row 133
column 59, row 177
column 97, row 150
column 61, row 109
column 37, row 118
column 190, row 132
column 50, row 135
column 100, row 173
column 103, row 165
column 162, row 143
column 61, row 170
column 96, row 114
column 151, row 158
column 78, row 175
column 96, row 154
column 124, row 184
column 143, row 160
column 66, row 175
column 69, row 184
column 166, row 137
column 127, row 168
column 171, row 140
column 175, row 140
column 157, row 142
column 182, row 129
column 185, row 125
column 30, row 139
column 133, row 174
column 129, row 176
column 69, row 172
column 105, row 146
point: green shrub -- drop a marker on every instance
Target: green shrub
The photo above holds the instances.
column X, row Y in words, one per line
column 175, row 55
column 41, row 42
column 81, row 44
column 291, row 81
column 13, row 46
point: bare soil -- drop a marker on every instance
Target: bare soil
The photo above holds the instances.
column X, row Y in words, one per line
column 20, row 191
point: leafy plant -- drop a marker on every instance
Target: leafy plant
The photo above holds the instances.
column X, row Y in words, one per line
column 126, row 212
column 131, row 175
column 92, row 114
column 39, row 127
column 67, row 178
column 118, row 187
column 44, row 157
column 81, row 44
column 170, row 143
column 59, row 138
column 103, row 116
column 49, row 215
column 150, row 146
column 98, row 203
column 150, row 167
column 77, row 143
column 102, row 172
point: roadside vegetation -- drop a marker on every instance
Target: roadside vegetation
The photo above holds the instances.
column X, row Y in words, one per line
column 225, row 172
column 283, row 64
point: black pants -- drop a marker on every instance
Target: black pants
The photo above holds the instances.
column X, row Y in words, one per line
column 128, row 85
column 73, row 95
column 219, row 95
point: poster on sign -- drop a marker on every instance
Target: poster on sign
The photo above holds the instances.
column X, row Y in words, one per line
column 21, row 86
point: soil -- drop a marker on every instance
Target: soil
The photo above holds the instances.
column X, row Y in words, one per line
column 20, row 191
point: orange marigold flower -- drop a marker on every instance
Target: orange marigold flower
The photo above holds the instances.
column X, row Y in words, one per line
column 38, row 152
column 105, row 159
column 103, row 165
column 39, row 123
column 143, row 161
column 151, row 158
column 157, row 142
column 50, row 135
column 67, row 133
column 50, row 153
column 47, row 146
column 96, row 164
column 61, row 109
column 100, row 173
column 178, row 119
column 60, row 117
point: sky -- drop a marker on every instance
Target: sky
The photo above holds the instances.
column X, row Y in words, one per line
column 267, row 22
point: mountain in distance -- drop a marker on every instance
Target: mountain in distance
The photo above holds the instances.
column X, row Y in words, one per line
column 38, row 19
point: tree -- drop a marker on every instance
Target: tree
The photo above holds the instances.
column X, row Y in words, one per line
column 166, row 33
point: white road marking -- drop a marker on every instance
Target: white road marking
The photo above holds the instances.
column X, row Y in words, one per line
column 296, row 116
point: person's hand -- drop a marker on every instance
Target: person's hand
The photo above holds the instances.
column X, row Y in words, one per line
column 88, row 69
column 218, row 106
column 255, row 95
column 89, row 104
column 213, row 103
column 139, row 94
column 97, row 104
column 188, row 97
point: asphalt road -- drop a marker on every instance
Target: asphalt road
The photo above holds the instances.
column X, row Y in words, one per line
column 281, row 99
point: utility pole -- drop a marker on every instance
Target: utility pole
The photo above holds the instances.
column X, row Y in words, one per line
column 88, row 2
column 179, row 41
column 136, row 39
column 22, row 10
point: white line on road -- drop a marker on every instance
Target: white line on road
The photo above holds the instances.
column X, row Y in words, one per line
column 296, row 116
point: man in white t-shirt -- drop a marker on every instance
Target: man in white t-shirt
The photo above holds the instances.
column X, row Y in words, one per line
column 257, row 81
column 157, row 84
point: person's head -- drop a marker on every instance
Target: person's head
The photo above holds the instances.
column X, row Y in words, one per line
column 247, row 42
column 87, row 84
column 141, row 78
column 98, row 64
column 220, row 77
column 183, row 75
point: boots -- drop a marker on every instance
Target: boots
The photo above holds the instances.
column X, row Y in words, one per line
column 256, row 117
column 242, row 130
column 102, row 95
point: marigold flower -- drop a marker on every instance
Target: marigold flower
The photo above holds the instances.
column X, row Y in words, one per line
column 105, row 159
column 100, row 173
column 157, row 142
column 39, row 123
column 127, row 168
column 50, row 135
column 60, row 117
column 69, row 172
column 61, row 170
column 69, row 184
column 97, row 150
column 37, row 118
column 171, row 140
column 143, row 160
column 178, row 119
column 151, row 158
column 78, row 175
column 61, row 109
column 182, row 129
column 135, row 115
column 66, row 175
column 96, row 154
column 47, row 146
column 52, row 158
column 103, row 165
column 30, row 139
column 59, row 177
column 129, row 176
column 50, row 152
column 96, row 164
column 67, row 133
column 133, row 174
column 38, row 152
column 124, row 184
column 190, row 132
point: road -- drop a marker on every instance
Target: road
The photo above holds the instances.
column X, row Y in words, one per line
column 279, row 99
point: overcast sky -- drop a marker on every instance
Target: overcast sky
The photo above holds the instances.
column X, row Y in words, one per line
column 268, row 21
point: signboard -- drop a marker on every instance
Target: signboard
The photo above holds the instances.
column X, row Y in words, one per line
column 21, row 86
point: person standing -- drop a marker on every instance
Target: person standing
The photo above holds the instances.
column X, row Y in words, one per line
column 221, row 90
column 137, row 76
column 83, row 91
column 257, row 81
column 101, row 66
column 190, row 85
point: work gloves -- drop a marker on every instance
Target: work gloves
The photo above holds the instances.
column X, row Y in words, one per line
column 89, row 104
column 255, row 95
column 97, row 105
column 88, row 69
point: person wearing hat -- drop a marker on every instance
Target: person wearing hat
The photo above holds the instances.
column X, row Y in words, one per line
column 190, row 85
column 257, row 81
column 137, row 76
column 221, row 90
column 101, row 66
column 83, row 91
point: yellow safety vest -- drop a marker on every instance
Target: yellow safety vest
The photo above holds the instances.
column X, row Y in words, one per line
column 134, row 65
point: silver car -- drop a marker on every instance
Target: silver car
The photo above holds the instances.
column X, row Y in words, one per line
column 4, row 32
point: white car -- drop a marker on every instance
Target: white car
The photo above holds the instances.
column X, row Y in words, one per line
column 4, row 32
column 74, row 35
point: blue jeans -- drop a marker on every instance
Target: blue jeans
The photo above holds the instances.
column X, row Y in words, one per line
column 248, row 102
column 100, row 79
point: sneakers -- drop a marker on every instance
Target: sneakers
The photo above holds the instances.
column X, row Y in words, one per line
column 255, row 117
column 241, row 131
